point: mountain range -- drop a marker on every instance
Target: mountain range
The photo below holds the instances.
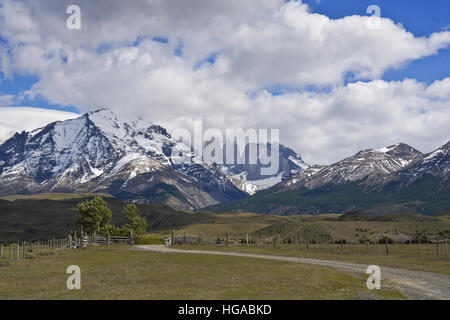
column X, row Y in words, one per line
column 394, row 179
column 127, row 157
column 135, row 160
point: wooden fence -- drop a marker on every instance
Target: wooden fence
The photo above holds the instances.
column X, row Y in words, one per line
column 29, row 249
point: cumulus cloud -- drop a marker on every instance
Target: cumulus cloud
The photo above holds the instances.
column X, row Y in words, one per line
column 233, row 54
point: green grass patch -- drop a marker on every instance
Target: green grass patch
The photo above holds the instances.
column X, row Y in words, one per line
column 149, row 239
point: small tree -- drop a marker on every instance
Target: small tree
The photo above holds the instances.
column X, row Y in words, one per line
column 94, row 215
column 134, row 221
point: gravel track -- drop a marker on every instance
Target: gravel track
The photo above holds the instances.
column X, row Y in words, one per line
column 413, row 284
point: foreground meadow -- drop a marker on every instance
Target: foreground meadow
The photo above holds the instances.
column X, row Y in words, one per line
column 120, row 273
column 415, row 257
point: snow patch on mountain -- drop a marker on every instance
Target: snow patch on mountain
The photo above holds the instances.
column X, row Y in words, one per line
column 18, row 119
column 103, row 152
column 370, row 167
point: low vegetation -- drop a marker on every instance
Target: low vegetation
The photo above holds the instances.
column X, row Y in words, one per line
column 26, row 219
column 119, row 273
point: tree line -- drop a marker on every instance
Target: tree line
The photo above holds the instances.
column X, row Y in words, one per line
column 95, row 217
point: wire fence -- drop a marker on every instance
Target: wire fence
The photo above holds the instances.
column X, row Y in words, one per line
column 432, row 248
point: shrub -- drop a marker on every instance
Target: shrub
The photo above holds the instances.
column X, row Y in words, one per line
column 148, row 239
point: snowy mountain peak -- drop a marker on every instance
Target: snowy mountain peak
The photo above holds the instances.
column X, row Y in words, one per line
column 248, row 176
column 110, row 123
column 402, row 150
column 367, row 166
column 436, row 163
column 103, row 152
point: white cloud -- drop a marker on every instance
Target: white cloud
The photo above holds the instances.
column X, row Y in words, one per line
column 7, row 99
column 259, row 44
column 18, row 119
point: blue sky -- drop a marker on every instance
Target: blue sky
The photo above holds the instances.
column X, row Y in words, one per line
column 418, row 16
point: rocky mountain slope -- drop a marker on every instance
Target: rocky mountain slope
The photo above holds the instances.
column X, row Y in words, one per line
column 368, row 167
column 101, row 152
column 138, row 161
column 394, row 179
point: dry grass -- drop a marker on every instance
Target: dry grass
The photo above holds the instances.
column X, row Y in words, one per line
column 415, row 259
column 119, row 273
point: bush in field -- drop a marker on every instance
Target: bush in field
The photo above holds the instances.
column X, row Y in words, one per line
column 94, row 215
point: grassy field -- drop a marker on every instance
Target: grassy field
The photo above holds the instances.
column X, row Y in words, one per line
column 321, row 228
column 46, row 216
column 325, row 227
column 413, row 260
column 119, row 273
column 222, row 229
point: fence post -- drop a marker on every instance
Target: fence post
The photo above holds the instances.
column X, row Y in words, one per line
column 437, row 248
column 1, row 251
column 387, row 246
column 228, row 240
column 109, row 240
column 247, row 239
column 446, row 246
column 403, row 245
column 428, row 244
column 131, row 238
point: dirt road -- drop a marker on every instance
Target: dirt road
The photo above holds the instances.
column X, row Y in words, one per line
column 413, row 284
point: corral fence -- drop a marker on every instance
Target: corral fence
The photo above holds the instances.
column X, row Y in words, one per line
column 432, row 248
column 31, row 249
